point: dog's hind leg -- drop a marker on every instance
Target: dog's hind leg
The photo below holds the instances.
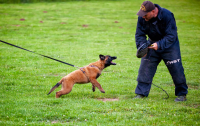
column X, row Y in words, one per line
column 67, row 86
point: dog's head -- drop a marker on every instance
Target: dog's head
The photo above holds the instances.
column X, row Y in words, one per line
column 107, row 60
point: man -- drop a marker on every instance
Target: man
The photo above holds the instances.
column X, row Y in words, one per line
column 160, row 27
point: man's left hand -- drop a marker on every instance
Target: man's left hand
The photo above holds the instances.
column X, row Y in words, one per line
column 154, row 46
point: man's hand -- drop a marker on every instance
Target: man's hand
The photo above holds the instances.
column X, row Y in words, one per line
column 154, row 46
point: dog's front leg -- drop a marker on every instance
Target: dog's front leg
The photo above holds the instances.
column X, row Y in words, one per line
column 95, row 83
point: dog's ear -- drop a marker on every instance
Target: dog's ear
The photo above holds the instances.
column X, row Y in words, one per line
column 102, row 57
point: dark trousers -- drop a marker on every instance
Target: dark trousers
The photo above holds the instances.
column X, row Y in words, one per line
column 148, row 67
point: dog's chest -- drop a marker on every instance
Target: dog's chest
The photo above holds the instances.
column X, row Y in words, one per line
column 98, row 74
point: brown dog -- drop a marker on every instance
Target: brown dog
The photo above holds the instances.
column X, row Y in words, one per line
column 84, row 75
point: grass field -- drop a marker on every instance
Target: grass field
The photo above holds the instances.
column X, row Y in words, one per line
column 77, row 32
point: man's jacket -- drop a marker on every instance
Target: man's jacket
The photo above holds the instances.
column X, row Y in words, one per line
column 161, row 29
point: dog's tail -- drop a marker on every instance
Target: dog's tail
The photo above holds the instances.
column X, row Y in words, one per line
column 54, row 87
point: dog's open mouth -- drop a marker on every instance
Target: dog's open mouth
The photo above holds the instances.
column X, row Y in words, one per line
column 113, row 63
column 113, row 58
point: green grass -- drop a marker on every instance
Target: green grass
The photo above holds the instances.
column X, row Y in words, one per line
column 26, row 78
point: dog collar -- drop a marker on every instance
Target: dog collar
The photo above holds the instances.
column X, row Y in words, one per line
column 94, row 66
column 90, row 66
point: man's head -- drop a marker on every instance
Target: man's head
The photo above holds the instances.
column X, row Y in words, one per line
column 147, row 10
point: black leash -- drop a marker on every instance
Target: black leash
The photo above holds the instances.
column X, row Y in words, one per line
column 163, row 90
column 156, row 85
column 38, row 54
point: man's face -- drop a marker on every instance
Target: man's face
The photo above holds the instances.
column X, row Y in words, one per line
column 148, row 16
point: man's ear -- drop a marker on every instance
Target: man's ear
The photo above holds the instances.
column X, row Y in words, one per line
column 102, row 57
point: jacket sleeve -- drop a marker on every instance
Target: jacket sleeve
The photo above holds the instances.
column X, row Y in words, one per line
column 140, row 35
column 170, row 33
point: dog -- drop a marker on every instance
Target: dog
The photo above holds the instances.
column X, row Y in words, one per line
column 86, row 74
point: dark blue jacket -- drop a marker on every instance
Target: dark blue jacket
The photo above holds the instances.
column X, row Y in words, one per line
column 161, row 29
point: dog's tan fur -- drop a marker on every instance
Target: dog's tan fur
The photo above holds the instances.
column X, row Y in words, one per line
column 84, row 75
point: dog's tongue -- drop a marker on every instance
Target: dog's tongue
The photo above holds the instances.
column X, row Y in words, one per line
column 113, row 63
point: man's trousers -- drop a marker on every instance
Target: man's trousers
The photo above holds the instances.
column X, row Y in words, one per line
column 148, row 67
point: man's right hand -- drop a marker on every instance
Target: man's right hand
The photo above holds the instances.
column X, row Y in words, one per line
column 154, row 46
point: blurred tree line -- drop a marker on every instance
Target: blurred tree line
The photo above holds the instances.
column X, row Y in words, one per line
column 36, row 1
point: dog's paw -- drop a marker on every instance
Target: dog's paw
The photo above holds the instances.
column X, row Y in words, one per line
column 57, row 95
column 93, row 89
column 103, row 91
